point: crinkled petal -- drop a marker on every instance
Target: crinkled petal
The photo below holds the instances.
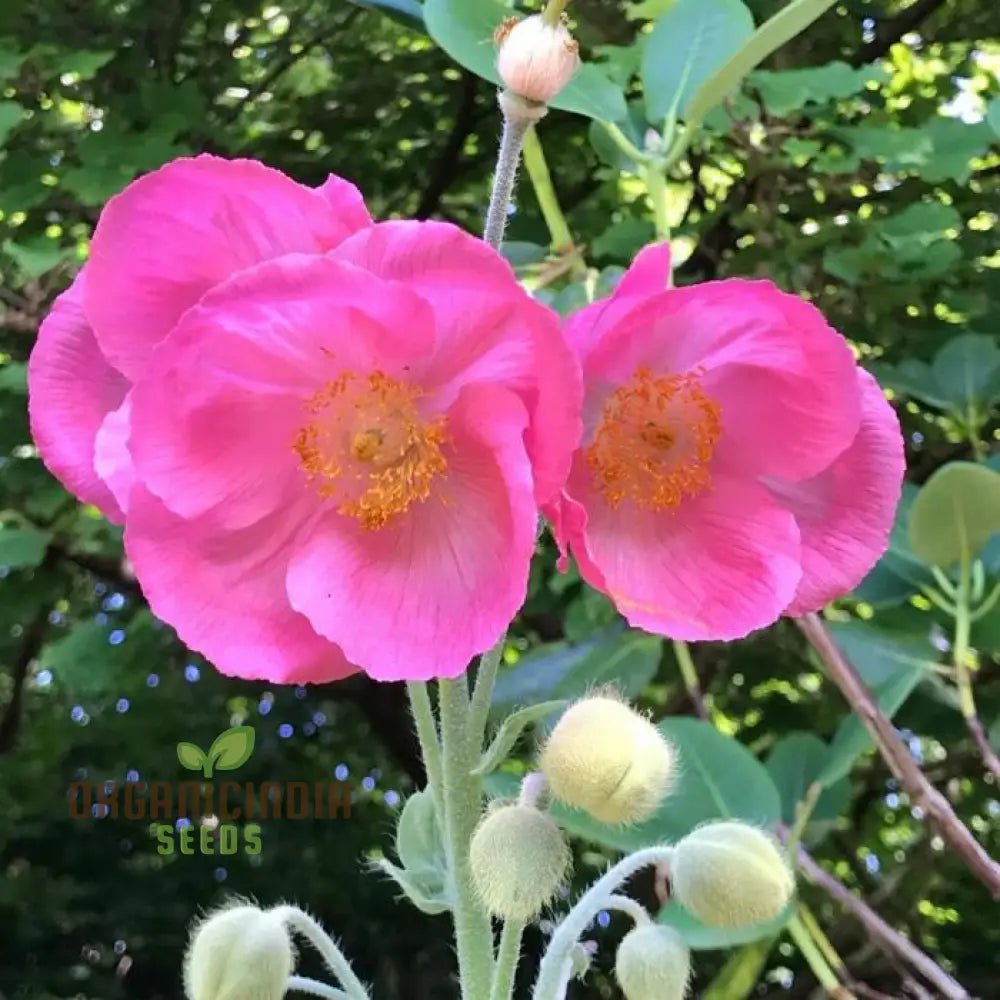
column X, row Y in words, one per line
column 718, row 567
column 71, row 389
column 785, row 381
column 112, row 458
column 224, row 594
column 216, row 418
column 845, row 513
column 488, row 329
column 178, row 231
column 421, row 596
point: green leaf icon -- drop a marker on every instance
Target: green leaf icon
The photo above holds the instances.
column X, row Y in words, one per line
column 192, row 757
column 231, row 748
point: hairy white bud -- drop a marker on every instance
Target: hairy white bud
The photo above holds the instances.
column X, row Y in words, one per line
column 537, row 59
column 238, row 953
column 519, row 858
column 605, row 758
column 730, row 874
column 653, row 963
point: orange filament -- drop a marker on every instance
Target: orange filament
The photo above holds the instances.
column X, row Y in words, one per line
column 368, row 447
column 655, row 441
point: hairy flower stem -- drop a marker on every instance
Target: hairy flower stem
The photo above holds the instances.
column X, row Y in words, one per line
column 482, row 692
column 518, row 116
column 462, row 806
column 507, row 959
column 335, row 960
column 552, row 978
column 430, row 746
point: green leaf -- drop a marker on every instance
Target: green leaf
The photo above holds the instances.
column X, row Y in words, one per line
column 83, row 64
column 14, row 378
column 510, row 731
column 10, row 60
column 37, row 256
column 22, row 548
column 718, row 778
column 419, row 844
column 464, row 29
column 232, row 748
column 425, row 890
column 892, row 666
column 191, row 756
column 628, row 660
column 700, row 937
column 956, row 510
column 692, row 40
column 406, row 11
column 796, row 762
column 966, row 370
column 789, row 90
column 993, row 115
column 11, row 114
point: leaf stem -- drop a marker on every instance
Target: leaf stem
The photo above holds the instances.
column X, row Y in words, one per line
column 507, row 958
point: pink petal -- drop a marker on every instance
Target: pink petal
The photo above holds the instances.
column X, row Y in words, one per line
column 112, row 458
column 783, row 378
column 71, row 389
column 224, row 594
column 720, row 566
column 648, row 274
column 424, row 594
column 173, row 234
column 216, row 417
column 488, row 329
column 845, row 513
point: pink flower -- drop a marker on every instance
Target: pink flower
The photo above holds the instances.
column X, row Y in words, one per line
column 736, row 464
column 325, row 436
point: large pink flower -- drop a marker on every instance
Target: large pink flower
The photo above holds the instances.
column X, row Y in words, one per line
column 351, row 441
column 736, row 464
column 327, row 439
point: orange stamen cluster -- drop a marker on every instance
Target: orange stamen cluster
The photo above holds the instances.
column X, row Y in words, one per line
column 368, row 447
column 655, row 441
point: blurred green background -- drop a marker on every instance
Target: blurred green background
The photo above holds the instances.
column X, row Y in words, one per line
column 861, row 168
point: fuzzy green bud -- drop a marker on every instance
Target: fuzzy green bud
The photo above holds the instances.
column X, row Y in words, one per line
column 238, row 953
column 519, row 858
column 607, row 759
column 653, row 963
column 731, row 875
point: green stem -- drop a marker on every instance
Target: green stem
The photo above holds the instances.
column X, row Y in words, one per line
column 815, row 959
column 507, row 959
column 302, row 984
column 427, row 734
column 963, row 632
column 690, row 676
column 625, row 144
column 545, row 192
column 553, row 11
column 462, row 805
column 335, row 960
column 656, row 184
column 818, row 935
column 803, row 810
column 482, row 693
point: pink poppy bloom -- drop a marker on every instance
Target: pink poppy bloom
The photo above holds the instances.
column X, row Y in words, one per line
column 325, row 436
column 735, row 465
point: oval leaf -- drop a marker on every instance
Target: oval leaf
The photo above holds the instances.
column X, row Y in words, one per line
column 957, row 509
column 686, row 46
column 191, row 756
column 418, row 833
column 464, row 29
column 232, row 748
column 21, row 548
column 425, row 890
column 797, row 761
column 701, row 937
column 508, row 734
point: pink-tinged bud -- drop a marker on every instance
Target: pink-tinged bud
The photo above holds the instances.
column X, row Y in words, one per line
column 537, row 59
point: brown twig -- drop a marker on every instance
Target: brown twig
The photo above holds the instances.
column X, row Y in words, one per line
column 935, row 806
column 880, row 930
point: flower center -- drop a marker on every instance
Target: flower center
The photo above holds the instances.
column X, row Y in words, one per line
column 368, row 448
column 655, row 441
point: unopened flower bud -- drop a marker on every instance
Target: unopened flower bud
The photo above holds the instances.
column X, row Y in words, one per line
column 605, row 758
column 653, row 963
column 519, row 858
column 238, row 953
column 537, row 59
column 731, row 875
